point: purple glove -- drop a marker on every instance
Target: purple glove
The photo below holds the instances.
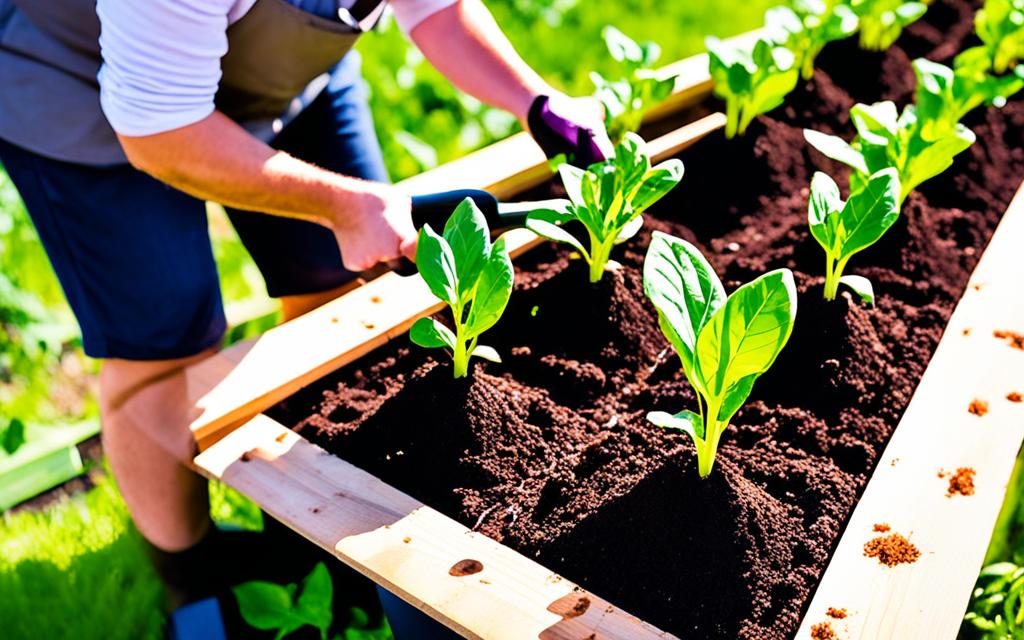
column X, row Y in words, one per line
column 558, row 135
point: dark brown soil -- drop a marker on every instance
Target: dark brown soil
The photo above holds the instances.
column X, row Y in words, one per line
column 550, row 452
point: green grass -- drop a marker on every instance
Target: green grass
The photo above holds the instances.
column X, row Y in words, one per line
column 78, row 570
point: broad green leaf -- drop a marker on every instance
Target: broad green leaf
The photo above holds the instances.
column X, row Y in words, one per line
column 468, row 237
column 928, row 159
column 487, row 353
column 547, row 224
column 571, row 178
column 657, row 183
column 315, row 601
column 875, row 123
column 746, row 334
column 436, row 264
column 836, row 148
column 822, row 206
column 630, row 230
column 686, row 421
column 686, row 292
column 492, row 292
column 868, row 214
column 861, row 286
column 735, row 396
column 429, row 333
column 264, row 605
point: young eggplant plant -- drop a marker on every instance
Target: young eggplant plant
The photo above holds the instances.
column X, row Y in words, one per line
column 608, row 198
column 628, row 98
column 882, row 21
column 944, row 96
column 1000, row 25
column 469, row 273
column 806, row 26
column 752, row 79
column 845, row 228
column 886, row 140
column 724, row 343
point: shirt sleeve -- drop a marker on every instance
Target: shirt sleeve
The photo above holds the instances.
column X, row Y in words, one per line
column 409, row 13
column 161, row 62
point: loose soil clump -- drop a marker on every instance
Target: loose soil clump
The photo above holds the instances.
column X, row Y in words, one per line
column 892, row 550
column 550, row 452
column 961, row 482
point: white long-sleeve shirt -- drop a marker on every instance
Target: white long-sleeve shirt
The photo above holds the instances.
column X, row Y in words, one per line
column 161, row 58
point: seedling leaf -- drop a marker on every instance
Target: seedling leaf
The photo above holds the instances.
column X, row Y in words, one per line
column 861, row 286
column 429, row 333
column 686, row 421
column 487, row 353
column 436, row 263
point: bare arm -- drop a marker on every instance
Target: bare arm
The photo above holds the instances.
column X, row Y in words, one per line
column 215, row 159
column 466, row 45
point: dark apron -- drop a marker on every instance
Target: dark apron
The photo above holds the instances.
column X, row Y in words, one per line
column 50, row 55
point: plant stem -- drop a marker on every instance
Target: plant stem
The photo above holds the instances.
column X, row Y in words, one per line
column 600, row 252
column 732, row 116
column 460, row 357
column 712, row 434
column 807, row 66
column 833, row 272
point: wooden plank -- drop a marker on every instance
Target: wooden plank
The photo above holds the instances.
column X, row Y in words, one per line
column 250, row 376
column 926, row 600
column 409, row 548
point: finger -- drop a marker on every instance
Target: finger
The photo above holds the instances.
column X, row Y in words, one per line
column 407, row 247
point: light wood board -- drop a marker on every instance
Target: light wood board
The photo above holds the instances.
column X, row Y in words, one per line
column 248, row 377
column 409, row 548
column 926, row 600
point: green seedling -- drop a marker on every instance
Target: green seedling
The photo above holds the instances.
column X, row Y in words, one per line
column 806, row 26
column 846, row 228
column 752, row 79
column 608, row 198
column 627, row 99
column 288, row 608
column 470, row 274
column 944, row 96
column 882, row 21
column 724, row 343
column 996, row 610
column 886, row 140
column 1000, row 25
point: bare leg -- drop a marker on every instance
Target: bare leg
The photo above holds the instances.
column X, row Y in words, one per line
column 145, row 417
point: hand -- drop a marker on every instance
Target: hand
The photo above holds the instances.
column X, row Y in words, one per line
column 573, row 126
column 374, row 225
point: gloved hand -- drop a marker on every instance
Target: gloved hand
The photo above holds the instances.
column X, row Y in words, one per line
column 570, row 126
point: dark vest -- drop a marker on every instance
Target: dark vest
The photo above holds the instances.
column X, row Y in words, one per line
column 50, row 55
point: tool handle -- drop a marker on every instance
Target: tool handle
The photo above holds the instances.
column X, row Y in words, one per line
column 435, row 208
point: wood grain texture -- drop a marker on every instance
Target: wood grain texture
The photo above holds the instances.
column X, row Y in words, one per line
column 250, row 376
column 926, row 600
column 461, row 578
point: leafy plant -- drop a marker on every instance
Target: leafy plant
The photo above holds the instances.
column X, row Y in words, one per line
column 288, row 608
column 944, row 96
column 628, row 98
column 752, row 79
column 806, row 26
column 1000, row 25
column 469, row 273
column 886, row 140
column 882, row 21
column 724, row 343
column 996, row 611
column 845, row 228
column 608, row 198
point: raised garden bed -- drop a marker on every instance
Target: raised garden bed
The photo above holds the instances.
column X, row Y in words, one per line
column 550, row 454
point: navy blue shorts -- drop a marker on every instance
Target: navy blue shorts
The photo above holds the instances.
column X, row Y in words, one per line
column 134, row 257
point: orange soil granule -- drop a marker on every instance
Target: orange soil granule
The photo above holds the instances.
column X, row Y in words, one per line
column 1015, row 396
column 838, row 614
column 978, row 407
column 1015, row 339
column 822, row 631
column 892, row 550
column 881, row 527
column 961, row 482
